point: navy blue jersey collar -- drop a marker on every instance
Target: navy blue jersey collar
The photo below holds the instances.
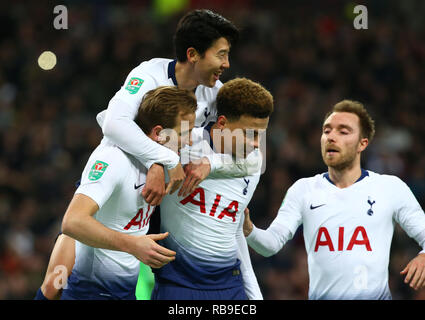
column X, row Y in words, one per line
column 172, row 71
column 364, row 174
column 207, row 134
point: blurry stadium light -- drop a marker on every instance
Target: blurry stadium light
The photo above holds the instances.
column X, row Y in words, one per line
column 165, row 8
column 47, row 60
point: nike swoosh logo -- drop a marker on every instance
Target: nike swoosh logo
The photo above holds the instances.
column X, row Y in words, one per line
column 315, row 207
column 138, row 186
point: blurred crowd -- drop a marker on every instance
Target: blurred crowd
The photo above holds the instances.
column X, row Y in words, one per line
column 307, row 53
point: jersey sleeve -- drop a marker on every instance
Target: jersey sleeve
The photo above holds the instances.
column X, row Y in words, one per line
column 289, row 218
column 222, row 165
column 120, row 128
column 102, row 174
column 251, row 285
column 408, row 212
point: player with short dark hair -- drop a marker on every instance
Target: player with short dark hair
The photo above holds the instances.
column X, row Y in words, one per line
column 199, row 29
column 203, row 40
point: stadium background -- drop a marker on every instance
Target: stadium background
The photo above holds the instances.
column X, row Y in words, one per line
column 307, row 53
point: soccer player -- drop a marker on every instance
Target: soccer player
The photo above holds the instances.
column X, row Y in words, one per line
column 202, row 44
column 348, row 216
column 108, row 216
column 205, row 228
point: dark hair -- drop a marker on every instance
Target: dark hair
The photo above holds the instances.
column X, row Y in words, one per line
column 242, row 96
column 367, row 125
column 199, row 29
column 162, row 105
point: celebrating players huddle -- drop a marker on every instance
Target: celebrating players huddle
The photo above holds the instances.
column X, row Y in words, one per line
column 164, row 145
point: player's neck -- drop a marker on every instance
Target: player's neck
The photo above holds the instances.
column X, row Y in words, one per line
column 184, row 76
column 343, row 178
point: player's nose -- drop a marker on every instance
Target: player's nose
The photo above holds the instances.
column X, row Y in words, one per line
column 331, row 136
column 226, row 63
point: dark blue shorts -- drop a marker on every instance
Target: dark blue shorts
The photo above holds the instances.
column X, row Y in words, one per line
column 170, row 291
column 79, row 288
column 73, row 295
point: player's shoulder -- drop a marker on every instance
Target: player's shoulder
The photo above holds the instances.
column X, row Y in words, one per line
column 208, row 93
column 387, row 181
column 106, row 164
column 154, row 64
column 303, row 186
column 309, row 182
column 111, row 155
column 153, row 69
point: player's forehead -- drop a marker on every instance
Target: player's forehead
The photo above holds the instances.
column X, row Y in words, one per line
column 249, row 122
column 220, row 45
column 185, row 120
column 342, row 119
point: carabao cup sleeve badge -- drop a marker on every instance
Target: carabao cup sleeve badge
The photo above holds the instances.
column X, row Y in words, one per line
column 134, row 85
column 97, row 171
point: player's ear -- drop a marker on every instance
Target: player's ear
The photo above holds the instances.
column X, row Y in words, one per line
column 192, row 55
column 221, row 122
column 155, row 134
column 364, row 142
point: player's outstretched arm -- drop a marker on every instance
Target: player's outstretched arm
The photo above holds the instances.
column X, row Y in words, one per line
column 282, row 229
column 411, row 218
column 80, row 224
column 266, row 242
column 415, row 272
column 119, row 126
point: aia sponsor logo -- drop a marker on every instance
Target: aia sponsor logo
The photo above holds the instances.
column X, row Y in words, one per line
column 230, row 211
column 358, row 238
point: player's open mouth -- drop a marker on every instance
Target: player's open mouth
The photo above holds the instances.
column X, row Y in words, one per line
column 217, row 75
column 331, row 151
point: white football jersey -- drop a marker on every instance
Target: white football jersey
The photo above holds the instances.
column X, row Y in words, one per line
column 161, row 72
column 204, row 228
column 347, row 232
column 114, row 180
column 118, row 123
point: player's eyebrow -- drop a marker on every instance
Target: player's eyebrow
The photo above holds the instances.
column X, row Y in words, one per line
column 345, row 126
column 340, row 126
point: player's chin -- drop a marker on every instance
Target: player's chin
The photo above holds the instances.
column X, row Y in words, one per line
column 329, row 161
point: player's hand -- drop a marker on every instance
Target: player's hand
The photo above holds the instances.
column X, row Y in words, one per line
column 415, row 272
column 154, row 189
column 150, row 253
column 247, row 224
column 195, row 174
column 176, row 176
